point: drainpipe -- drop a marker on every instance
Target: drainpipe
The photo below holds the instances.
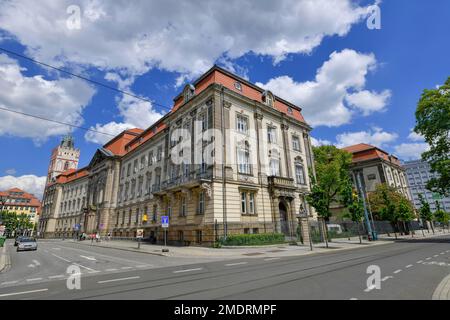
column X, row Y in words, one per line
column 224, row 157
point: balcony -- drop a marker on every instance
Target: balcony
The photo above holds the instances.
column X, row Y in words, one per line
column 281, row 182
column 186, row 181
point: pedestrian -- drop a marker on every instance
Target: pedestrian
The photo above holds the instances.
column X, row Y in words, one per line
column 97, row 237
column 92, row 238
column 109, row 236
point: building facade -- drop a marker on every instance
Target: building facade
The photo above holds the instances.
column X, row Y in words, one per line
column 20, row 202
column 375, row 166
column 228, row 158
column 418, row 174
column 64, row 157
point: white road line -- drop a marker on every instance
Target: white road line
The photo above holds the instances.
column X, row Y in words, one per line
column 36, row 262
column 110, row 269
column 24, row 292
column 187, row 270
column 420, row 261
column 61, row 258
column 126, row 268
column 144, row 266
column 235, row 264
column 270, row 259
column 34, row 279
column 10, row 282
column 436, row 255
column 409, row 266
column 56, row 277
column 368, row 289
column 89, row 258
column 89, row 269
column 94, row 271
column 429, row 258
column 442, row 252
column 56, row 248
column 353, row 299
column 31, row 266
column 121, row 279
column 386, row 278
column 397, row 271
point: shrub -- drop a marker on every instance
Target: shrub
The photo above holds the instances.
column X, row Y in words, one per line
column 253, row 239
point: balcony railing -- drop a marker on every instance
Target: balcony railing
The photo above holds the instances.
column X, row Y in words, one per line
column 185, row 179
column 281, row 182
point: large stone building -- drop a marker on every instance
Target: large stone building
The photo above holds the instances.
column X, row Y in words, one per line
column 64, row 157
column 228, row 158
column 375, row 166
column 418, row 174
column 20, row 202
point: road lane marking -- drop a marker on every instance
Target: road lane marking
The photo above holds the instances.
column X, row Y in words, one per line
column 10, row 282
column 23, row 292
column 270, row 259
column 56, row 277
column 61, row 258
column 144, row 266
column 353, row 299
column 94, row 271
column 397, row 271
column 235, row 264
column 36, row 262
column 188, row 270
column 429, row 258
column 120, row 279
column 56, row 248
column 126, row 268
column 420, row 261
column 89, row 269
column 442, row 252
column 436, row 255
column 34, row 279
column 31, row 266
column 408, row 266
column 89, row 258
column 110, row 269
column 386, row 278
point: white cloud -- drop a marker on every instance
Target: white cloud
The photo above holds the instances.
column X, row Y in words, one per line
column 28, row 183
column 62, row 100
column 369, row 101
column 182, row 36
column 10, row 171
column 410, row 151
column 336, row 81
column 320, row 142
column 415, row 136
column 135, row 113
column 376, row 137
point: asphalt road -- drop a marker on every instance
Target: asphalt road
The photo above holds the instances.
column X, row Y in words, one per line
column 409, row 270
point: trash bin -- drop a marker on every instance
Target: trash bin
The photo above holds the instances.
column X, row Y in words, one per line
column 2, row 241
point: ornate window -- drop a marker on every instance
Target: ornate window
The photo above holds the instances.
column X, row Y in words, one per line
column 188, row 92
column 299, row 171
column 243, row 155
column 268, row 98
column 272, row 134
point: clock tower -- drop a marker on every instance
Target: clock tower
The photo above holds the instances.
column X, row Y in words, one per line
column 64, row 157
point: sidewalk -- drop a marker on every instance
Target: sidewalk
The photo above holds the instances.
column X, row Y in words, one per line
column 4, row 259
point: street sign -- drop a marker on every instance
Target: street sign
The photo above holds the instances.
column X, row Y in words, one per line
column 140, row 233
column 165, row 221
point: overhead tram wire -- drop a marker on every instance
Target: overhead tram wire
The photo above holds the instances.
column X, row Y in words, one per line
column 85, row 79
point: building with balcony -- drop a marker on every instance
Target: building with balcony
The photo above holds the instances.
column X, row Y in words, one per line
column 228, row 158
column 20, row 202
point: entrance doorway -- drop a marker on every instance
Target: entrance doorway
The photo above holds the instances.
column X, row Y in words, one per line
column 284, row 218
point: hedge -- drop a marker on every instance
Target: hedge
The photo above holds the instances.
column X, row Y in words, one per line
column 253, row 239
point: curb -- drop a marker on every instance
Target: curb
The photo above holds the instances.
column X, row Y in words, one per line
column 5, row 262
column 126, row 249
column 442, row 291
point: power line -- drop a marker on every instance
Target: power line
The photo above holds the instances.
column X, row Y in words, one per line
column 85, row 79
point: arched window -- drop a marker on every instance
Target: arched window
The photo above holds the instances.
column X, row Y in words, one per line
column 299, row 171
column 66, row 166
column 268, row 98
column 188, row 92
column 243, row 157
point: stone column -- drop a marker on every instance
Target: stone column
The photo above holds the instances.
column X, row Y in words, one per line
column 287, row 151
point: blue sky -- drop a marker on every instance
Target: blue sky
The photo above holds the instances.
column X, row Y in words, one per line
column 387, row 69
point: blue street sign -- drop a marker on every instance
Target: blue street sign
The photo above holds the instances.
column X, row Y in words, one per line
column 165, row 221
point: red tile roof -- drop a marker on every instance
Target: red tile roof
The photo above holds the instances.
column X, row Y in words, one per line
column 363, row 152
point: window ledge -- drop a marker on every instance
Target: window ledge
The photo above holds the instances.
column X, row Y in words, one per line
column 249, row 214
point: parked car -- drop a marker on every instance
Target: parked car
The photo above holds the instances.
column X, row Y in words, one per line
column 334, row 227
column 26, row 244
column 16, row 242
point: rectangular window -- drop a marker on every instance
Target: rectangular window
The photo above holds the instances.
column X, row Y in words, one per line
column 183, row 207
column 271, row 134
column 137, row 216
column 135, row 166
column 295, row 143
column 150, row 158
column 142, row 162
column 128, row 169
column 300, row 174
column 244, row 202
column 244, row 161
column 159, row 155
column 275, row 167
column 169, row 209
column 204, row 121
column 155, row 213
column 251, row 203
column 198, row 236
column 241, row 123
column 201, row 203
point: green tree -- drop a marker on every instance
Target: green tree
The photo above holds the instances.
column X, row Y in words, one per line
column 441, row 216
column 405, row 212
column 425, row 212
column 355, row 206
column 433, row 123
column 332, row 175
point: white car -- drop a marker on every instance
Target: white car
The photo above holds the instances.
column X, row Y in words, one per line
column 26, row 244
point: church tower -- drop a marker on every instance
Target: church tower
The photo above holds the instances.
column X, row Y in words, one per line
column 64, row 157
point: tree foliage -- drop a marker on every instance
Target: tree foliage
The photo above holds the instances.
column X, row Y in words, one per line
column 354, row 204
column 14, row 222
column 440, row 215
column 433, row 123
column 332, row 176
column 425, row 210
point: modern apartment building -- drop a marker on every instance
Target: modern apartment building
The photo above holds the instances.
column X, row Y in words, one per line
column 20, row 202
column 374, row 166
column 228, row 158
column 418, row 174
